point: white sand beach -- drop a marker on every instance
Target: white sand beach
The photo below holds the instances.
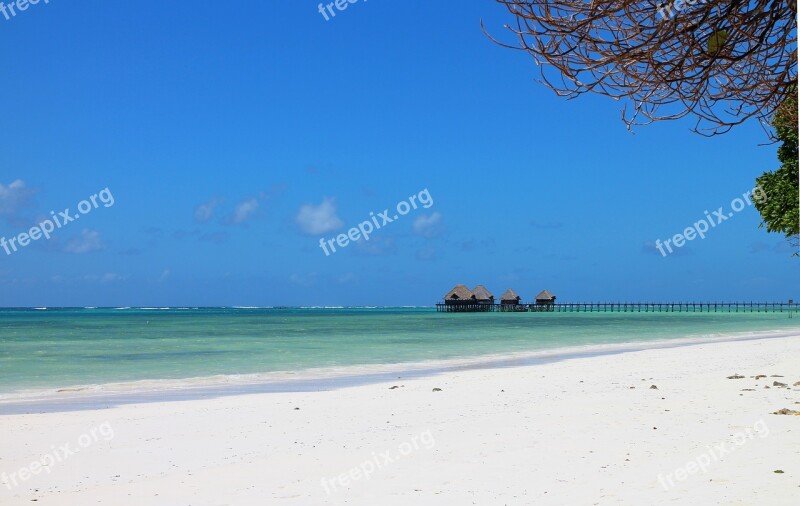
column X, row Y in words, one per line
column 588, row 431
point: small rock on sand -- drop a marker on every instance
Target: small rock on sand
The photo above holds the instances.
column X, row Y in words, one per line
column 786, row 411
column 761, row 376
column 735, row 377
column 437, row 389
column 653, row 387
column 779, row 384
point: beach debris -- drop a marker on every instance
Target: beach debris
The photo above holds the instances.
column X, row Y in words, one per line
column 735, row 377
column 297, row 409
column 631, row 388
column 776, row 376
column 437, row 389
column 796, row 384
column 786, row 411
column 393, row 387
column 758, row 377
column 778, row 471
column 653, row 387
column 766, row 386
column 748, row 390
column 779, row 384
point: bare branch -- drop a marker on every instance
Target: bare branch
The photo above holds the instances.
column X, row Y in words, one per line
column 723, row 62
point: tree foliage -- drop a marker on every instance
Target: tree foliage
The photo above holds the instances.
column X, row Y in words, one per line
column 781, row 208
column 722, row 62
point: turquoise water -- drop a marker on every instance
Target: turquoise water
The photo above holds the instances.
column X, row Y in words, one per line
column 66, row 347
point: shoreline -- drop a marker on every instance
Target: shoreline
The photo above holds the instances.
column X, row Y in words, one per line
column 679, row 425
column 97, row 396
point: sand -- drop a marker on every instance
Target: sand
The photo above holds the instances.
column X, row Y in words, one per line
column 575, row 432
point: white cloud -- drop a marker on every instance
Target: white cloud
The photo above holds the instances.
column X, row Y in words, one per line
column 88, row 241
column 303, row 280
column 13, row 196
column 429, row 226
column 243, row 211
column 426, row 254
column 346, row 278
column 377, row 246
column 205, row 212
column 314, row 220
column 109, row 277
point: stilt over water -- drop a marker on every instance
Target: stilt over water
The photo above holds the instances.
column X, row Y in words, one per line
column 626, row 307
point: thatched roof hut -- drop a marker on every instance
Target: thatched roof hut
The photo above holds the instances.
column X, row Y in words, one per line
column 459, row 293
column 510, row 297
column 481, row 294
column 545, row 297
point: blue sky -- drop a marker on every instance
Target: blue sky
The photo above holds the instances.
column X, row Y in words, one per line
column 233, row 137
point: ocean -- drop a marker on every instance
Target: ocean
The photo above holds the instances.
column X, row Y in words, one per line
column 48, row 349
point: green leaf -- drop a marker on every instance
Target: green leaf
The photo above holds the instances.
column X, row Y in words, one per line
column 716, row 40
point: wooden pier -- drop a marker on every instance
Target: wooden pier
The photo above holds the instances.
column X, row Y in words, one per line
column 626, row 307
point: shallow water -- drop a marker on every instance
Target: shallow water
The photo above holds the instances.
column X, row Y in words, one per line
column 57, row 348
